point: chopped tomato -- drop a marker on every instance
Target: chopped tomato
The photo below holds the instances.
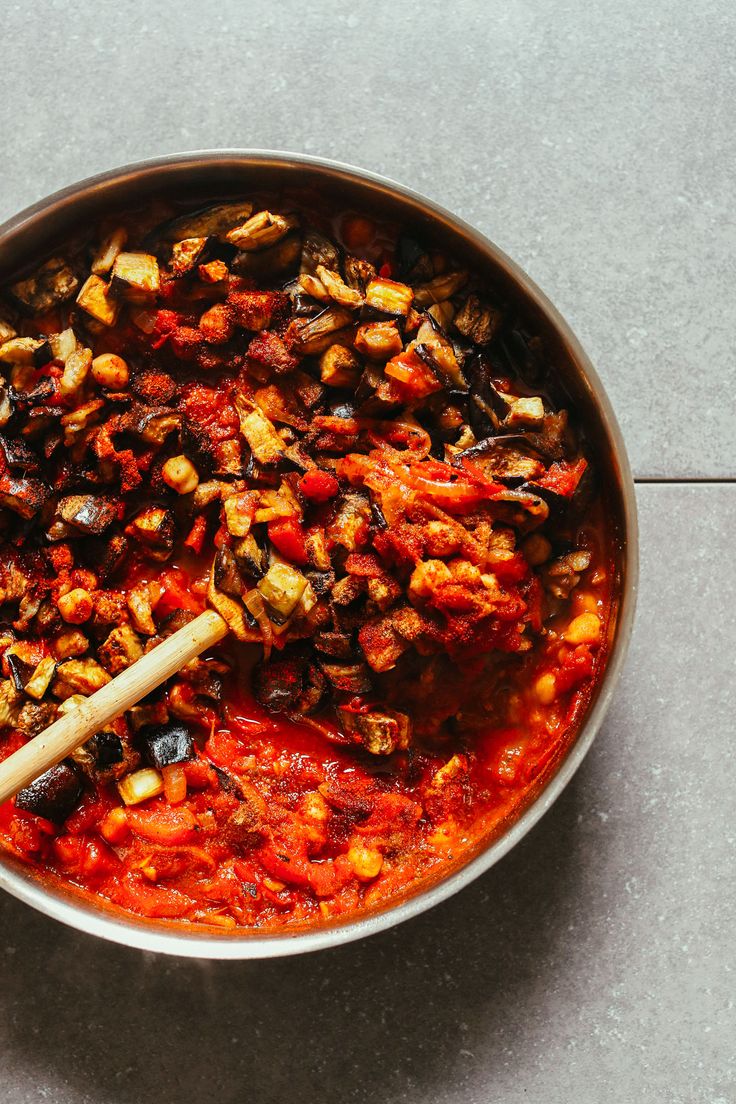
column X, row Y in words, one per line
column 287, row 535
column 318, row 486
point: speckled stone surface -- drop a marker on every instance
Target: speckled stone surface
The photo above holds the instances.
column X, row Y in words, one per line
column 593, row 964
column 593, row 141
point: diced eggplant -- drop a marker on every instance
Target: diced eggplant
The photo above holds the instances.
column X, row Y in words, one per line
column 337, row 290
column 278, row 684
column 261, row 231
column 140, row 785
column 282, row 588
column 55, row 794
column 380, row 733
column 487, row 406
column 53, row 283
column 213, row 221
column 358, row 273
column 164, row 745
column 250, row 556
column 226, row 575
column 440, row 288
column 154, row 527
column 91, row 514
column 40, row 679
column 17, row 455
column 521, row 508
column 270, row 264
column 348, row 678
column 313, row 335
column 477, row 321
column 6, row 331
column 26, row 497
column 339, row 645
column 120, row 650
column 7, row 408
column 265, row 443
column 25, row 351
column 415, row 263
column 79, row 676
column 63, row 344
column 190, row 252
column 135, row 276
column 104, row 258
column 233, row 612
column 20, row 672
column 321, row 582
column 152, row 424
column 499, row 460
column 526, row 413
column 106, row 749
column 389, row 297
column 94, row 299
column 318, row 250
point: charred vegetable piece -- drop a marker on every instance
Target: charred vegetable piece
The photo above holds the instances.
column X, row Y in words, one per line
column 261, row 231
column 440, row 288
column 24, row 496
column 207, row 222
column 265, row 443
column 91, row 514
column 140, row 786
column 278, row 684
column 104, row 259
column 135, row 276
column 106, row 749
column 53, row 283
column 477, row 321
column 55, row 794
column 313, row 335
column 380, row 733
column 388, row 296
column 95, row 300
column 282, row 588
column 187, row 254
column 26, row 351
column 164, row 745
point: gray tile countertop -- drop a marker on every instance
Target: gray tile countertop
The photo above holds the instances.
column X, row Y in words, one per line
column 595, row 143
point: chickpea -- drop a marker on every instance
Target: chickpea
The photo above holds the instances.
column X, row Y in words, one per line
column 545, row 688
column 365, row 861
column 181, row 475
column 584, row 629
column 76, row 606
column 110, row 371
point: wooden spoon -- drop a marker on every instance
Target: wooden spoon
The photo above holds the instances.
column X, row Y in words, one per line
column 91, row 715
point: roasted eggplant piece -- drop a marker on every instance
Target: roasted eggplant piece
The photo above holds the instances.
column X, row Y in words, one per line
column 187, row 254
column 55, row 794
column 95, row 300
column 214, row 221
column 106, row 749
column 277, row 685
column 270, row 264
column 154, row 527
column 477, row 321
column 265, row 443
column 313, row 335
column 17, row 455
column 500, row 460
column 358, row 273
column 90, row 514
column 261, row 231
column 415, row 264
column 53, row 283
column 226, row 575
column 164, row 745
column 135, row 277
column 25, row 351
column 318, row 250
column 282, row 588
column 487, row 407
column 26, row 497
column 348, row 678
column 380, row 733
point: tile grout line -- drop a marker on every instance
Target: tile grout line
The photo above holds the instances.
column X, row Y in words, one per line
column 647, row 480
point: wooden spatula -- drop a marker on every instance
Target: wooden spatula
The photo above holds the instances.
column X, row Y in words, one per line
column 91, row 716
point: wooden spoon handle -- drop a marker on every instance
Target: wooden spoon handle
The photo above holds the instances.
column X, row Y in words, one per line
column 91, row 716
